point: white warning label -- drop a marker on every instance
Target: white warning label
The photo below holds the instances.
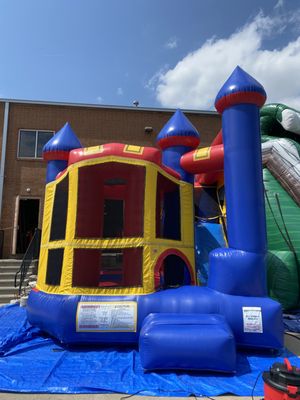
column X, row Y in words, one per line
column 252, row 319
column 106, row 316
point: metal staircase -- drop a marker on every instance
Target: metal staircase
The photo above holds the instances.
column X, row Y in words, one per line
column 8, row 270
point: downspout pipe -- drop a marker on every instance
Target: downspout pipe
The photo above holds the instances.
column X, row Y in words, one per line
column 3, row 152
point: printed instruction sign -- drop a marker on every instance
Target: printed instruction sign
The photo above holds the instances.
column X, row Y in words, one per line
column 252, row 318
column 106, row 316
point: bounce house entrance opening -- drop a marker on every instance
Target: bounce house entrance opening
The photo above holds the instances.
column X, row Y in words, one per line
column 113, row 224
column 174, row 272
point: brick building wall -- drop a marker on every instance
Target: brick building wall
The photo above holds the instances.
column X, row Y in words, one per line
column 93, row 126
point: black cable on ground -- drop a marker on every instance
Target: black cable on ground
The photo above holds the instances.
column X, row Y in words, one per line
column 254, row 386
column 132, row 395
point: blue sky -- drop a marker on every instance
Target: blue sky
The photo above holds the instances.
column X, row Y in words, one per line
column 164, row 53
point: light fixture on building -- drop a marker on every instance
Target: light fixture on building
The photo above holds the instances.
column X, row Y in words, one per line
column 136, row 103
column 28, row 190
column 148, row 129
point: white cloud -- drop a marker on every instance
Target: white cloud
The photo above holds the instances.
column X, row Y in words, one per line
column 152, row 82
column 120, row 91
column 197, row 78
column 99, row 99
column 279, row 4
column 172, row 43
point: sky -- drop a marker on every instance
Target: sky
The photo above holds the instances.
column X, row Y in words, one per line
column 162, row 53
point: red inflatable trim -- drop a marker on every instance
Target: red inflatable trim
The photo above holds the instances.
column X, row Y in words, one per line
column 170, row 141
column 56, row 155
column 119, row 150
column 240, row 98
column 159, row 265
column 213, row 162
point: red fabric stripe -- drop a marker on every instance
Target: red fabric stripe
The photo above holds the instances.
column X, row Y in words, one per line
column 56, row 155
column 170, row 141
column 240, row 98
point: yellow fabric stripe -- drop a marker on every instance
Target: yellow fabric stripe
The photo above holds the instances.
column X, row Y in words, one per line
column 149, row 204
column 41, row 278
column 148, row 283
column 67, row 269
column 187, row 214
column 47, row 218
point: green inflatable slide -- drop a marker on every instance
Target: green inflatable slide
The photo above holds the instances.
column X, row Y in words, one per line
column 280, row 128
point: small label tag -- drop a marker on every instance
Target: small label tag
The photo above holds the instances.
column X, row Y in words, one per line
column 106, row 316
column 252, row 318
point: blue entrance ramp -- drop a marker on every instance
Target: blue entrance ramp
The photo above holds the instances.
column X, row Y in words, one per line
column 33, row 362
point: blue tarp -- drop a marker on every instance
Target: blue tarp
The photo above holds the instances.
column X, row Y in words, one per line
column 291, row 321
column 33, row 362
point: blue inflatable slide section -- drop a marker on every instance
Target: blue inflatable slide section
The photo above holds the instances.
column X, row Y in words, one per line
column 59, row 369
column 208, row 236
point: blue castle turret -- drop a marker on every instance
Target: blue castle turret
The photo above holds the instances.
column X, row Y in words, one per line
column 176, row 138
column 240, row 269
column 56, row 151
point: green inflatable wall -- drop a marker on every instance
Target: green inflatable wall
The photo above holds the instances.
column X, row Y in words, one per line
column 282, row 210
column 283, row 229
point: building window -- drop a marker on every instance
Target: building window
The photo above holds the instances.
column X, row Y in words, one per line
column 31, row 142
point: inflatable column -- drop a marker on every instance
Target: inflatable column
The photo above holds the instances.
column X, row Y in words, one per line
column 176, row 138
column 56, row 151
column 240, row 269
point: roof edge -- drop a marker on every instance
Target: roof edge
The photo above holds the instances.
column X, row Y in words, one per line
column 101, row 106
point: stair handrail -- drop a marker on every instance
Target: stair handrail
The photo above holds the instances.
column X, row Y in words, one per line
column 32, row 253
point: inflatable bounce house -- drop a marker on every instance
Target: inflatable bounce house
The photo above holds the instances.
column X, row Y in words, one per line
column 117, row 260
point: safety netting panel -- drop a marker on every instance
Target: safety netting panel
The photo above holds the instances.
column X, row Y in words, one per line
column 54, row 266
column 168, row 224
column 60, row 209
column 108, row 267
column 110, row 201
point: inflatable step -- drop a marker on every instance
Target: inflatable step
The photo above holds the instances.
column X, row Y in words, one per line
column 187, row 341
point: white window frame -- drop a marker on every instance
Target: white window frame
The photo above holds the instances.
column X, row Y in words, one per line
column 36, row 142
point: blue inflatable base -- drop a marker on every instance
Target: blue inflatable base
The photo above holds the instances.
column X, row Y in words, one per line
column 31, row 361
